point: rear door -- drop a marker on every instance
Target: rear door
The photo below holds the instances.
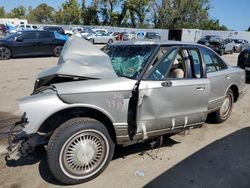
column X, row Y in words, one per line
column 46, row 43
column 220, row 78
column 167, row 103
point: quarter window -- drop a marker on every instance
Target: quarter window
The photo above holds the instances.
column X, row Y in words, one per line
column 219, row 64
column 212, row 61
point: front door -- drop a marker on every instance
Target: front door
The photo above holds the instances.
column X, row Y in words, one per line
column 174, row 94
column 26, row 44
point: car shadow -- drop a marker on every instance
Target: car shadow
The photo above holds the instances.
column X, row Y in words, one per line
column 148, row 148
column 223, row 163
column 32, row 57
column 247, row 79
column 6, row 121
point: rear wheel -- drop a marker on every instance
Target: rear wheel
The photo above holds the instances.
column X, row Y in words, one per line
column 110, row 41
column 5, row 53
column 57, row 51
column 225, row 110
column 92, row 41
column 79, row 150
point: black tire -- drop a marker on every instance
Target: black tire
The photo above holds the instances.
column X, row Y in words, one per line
column 5, row 53
column 92, row 41
column 221, row 52
column 110, row 41
column 57, row 51
column 65, row 150
column 224, row 112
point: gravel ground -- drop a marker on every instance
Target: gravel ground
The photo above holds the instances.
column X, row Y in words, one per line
column 216, row 155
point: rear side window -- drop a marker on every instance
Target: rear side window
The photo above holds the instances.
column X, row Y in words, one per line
column 212, row 61
column 29, row 36
column 219, row 64
column 45, row 35
column 195, row 63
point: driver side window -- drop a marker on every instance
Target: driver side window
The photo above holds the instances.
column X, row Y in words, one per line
column 159, row 70
column 170, row 66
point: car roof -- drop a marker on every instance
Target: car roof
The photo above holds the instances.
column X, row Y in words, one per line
column 156, row 42
column 52, row 27
column 32, row 31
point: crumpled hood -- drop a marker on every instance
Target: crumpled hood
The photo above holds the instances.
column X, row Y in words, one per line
column 81, row 58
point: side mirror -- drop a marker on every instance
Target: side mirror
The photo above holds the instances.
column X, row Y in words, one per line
column 19, row 39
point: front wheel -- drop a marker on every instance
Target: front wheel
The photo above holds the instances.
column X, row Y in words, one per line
column 221, row 52
column 5, row 53
column 79, row 150
column 57, row 51
column 225, row 110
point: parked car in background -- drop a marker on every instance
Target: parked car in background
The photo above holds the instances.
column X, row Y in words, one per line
column 31, row 43
column 23, row 27
column 73, row 30
column 229, row 45
column 152, row 35
column 2, row 29
column 86, row 32
column 214, row 42
column 100, row 31
column 54, row 28
column 240, row 44
column 133, row 91
column 118, row 35
column 129, row 35
column 102, row 37
column 244, row 60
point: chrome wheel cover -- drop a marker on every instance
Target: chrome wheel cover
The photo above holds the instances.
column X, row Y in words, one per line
column 84, row 154
column 58, row 50
column 4, row 53
column 226, row 106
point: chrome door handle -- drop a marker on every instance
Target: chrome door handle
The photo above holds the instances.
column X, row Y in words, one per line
column 166, row 84
column 227, row 77
column 200, row 88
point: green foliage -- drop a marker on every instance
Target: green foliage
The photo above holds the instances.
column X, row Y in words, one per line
column 2, row 12
column 248, row 29
column 41, row 14
column 18, row 12
column 69, row 13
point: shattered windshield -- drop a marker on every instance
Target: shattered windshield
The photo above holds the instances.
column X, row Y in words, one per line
column 128, row 60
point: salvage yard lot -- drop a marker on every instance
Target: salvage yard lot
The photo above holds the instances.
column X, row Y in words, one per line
column 216, row 155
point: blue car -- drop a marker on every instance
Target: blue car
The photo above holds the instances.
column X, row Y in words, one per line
column 32, row 43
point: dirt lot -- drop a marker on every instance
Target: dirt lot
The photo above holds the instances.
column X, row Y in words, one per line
column 216, row 155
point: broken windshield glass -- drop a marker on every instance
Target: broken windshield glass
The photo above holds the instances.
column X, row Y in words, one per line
column 128, row 60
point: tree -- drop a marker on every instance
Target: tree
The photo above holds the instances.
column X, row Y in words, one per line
column 2, row 12
column 18, row 12
column 107, row 11
column 69, row 12
column 41, row 14
column 91, row 17
column 83, row 12
column 248, row 29
column 212, row 25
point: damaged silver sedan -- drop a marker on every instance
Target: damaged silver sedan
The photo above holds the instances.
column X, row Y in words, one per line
column 131, row 91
